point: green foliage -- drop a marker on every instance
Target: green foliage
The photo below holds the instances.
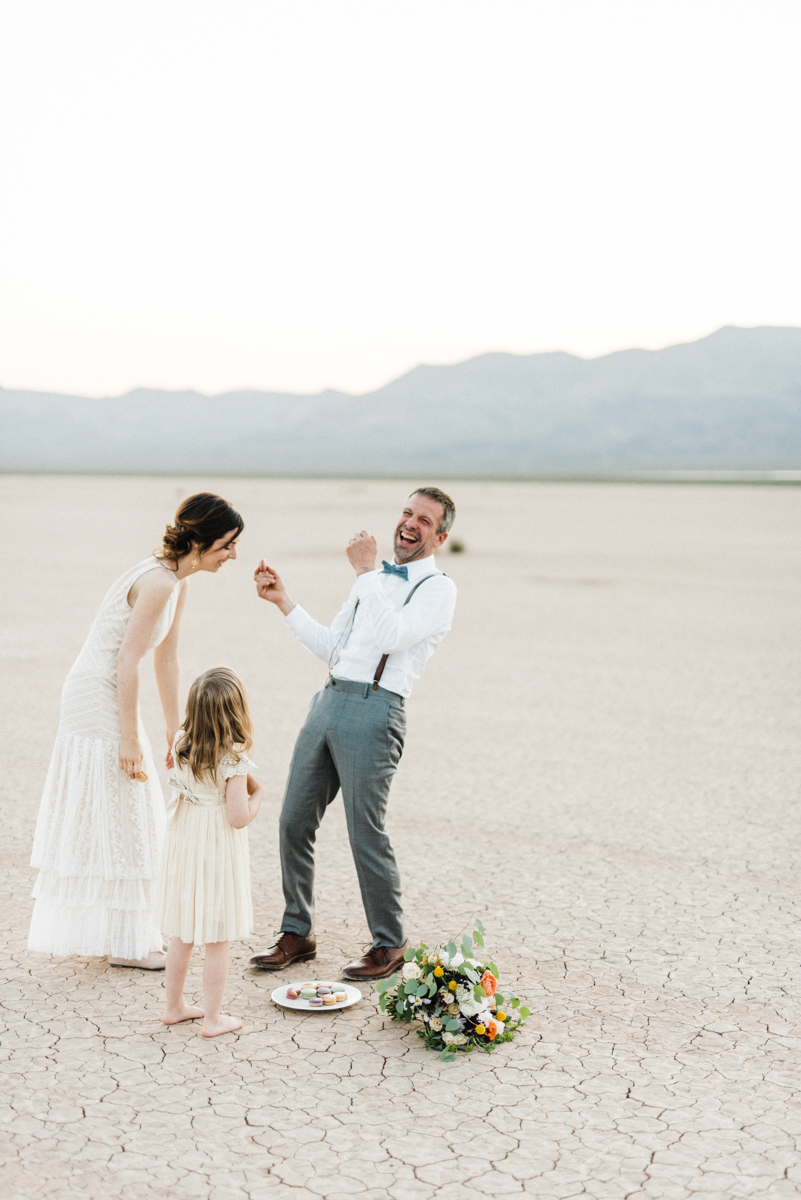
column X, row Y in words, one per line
column 408, row 1000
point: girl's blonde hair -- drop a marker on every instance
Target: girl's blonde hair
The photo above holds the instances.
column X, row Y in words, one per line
column 217, row 719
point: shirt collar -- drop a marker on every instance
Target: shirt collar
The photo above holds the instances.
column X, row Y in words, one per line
column 420, row 567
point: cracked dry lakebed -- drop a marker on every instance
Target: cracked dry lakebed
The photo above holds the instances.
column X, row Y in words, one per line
column 602, row 764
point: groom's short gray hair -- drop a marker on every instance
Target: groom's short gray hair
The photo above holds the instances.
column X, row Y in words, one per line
column 448, row 507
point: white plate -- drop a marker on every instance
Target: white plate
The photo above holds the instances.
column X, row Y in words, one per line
column 279, row 996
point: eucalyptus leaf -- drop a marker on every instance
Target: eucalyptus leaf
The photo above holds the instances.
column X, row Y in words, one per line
column 525, row 1012
column 451, row 948
column 478, row 938
column 452, row 1025
column 467, row 946
column 479, row 926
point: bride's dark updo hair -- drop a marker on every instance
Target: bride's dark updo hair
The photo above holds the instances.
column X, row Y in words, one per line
column 199, row 522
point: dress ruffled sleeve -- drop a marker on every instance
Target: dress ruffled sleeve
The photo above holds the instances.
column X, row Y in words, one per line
column 235, row 763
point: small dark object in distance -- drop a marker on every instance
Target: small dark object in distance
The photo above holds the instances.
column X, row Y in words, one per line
column 456, row 547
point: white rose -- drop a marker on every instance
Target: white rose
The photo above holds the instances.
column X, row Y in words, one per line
column 460, row 1039
column 448, row 1039
column 436, row 1024
column 410, row 971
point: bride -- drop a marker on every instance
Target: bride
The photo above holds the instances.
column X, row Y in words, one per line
column 102, row 817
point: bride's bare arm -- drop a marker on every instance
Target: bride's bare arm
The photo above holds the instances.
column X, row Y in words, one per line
column 165, row 662
column 153, row 590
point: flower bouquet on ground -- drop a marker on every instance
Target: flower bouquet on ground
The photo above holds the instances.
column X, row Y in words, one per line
column 454, row 997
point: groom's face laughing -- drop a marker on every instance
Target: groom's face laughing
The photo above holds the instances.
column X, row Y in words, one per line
column 416, row 533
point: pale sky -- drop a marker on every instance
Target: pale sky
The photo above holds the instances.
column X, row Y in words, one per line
column 324, row 193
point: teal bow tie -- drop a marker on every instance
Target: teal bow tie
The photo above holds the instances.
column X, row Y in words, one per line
column 391, row 569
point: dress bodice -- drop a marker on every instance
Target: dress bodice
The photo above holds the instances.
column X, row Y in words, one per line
column 108, row 628
column 207, row 792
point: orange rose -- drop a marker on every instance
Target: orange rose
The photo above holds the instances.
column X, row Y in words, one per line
column 492, row 1031
column 489, row 983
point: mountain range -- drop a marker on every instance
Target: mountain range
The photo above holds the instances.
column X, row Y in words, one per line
column 730, row 401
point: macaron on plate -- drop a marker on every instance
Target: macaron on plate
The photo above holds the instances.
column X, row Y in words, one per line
column 316, row 996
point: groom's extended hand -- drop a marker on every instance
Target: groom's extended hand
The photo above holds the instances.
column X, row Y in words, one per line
column 270, row 586
column 362, row 551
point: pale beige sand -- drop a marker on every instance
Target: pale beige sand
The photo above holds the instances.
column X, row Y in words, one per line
column 602, row 762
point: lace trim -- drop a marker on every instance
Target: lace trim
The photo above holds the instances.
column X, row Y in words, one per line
column 237, row 763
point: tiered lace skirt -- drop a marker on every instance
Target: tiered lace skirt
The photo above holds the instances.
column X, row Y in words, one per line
column 97, row 846
column 204, row 884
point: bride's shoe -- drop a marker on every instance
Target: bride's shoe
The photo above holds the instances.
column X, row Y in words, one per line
column 156, row 961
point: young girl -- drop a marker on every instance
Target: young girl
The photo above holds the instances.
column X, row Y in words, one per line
column 204, row 890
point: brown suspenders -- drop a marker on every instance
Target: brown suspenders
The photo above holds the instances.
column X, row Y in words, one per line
column 379, row 669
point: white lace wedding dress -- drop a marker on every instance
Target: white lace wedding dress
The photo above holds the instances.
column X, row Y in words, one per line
column 99, row 834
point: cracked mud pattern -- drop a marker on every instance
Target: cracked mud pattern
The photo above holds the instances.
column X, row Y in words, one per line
column 602, row 763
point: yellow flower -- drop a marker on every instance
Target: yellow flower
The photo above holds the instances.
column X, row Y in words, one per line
column 481, row 1029
column 453, row 985
column 438, row 971
column 501, row 1015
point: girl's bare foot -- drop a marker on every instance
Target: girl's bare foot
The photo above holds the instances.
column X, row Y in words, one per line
column 156, row 961
column 186, row 1013
column 221, row 1024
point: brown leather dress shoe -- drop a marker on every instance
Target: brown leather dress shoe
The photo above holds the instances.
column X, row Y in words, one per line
column 289, row 948
column 377, row 963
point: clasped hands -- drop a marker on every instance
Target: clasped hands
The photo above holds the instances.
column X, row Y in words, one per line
column 361, row 551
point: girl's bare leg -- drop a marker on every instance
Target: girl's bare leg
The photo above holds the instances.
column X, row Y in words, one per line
column 215, row 974
column 178, row 955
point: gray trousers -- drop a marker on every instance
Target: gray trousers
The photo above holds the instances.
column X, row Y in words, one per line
column 352, row 739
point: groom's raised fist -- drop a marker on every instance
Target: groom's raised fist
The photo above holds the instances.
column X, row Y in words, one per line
column 361, row 552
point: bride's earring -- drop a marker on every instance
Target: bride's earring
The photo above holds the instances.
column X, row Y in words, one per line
column 195, row 561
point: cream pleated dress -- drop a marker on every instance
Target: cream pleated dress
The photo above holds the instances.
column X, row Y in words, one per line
column 99, row 834
column 204, row 884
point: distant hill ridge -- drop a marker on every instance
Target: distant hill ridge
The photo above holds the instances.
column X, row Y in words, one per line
column 730, row 401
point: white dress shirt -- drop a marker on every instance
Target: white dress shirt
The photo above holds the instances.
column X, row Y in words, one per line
column 354, row 644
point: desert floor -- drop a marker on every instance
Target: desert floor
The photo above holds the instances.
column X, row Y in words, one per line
column 602, row 763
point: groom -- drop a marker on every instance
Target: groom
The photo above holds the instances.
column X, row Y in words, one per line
column 393, row 620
